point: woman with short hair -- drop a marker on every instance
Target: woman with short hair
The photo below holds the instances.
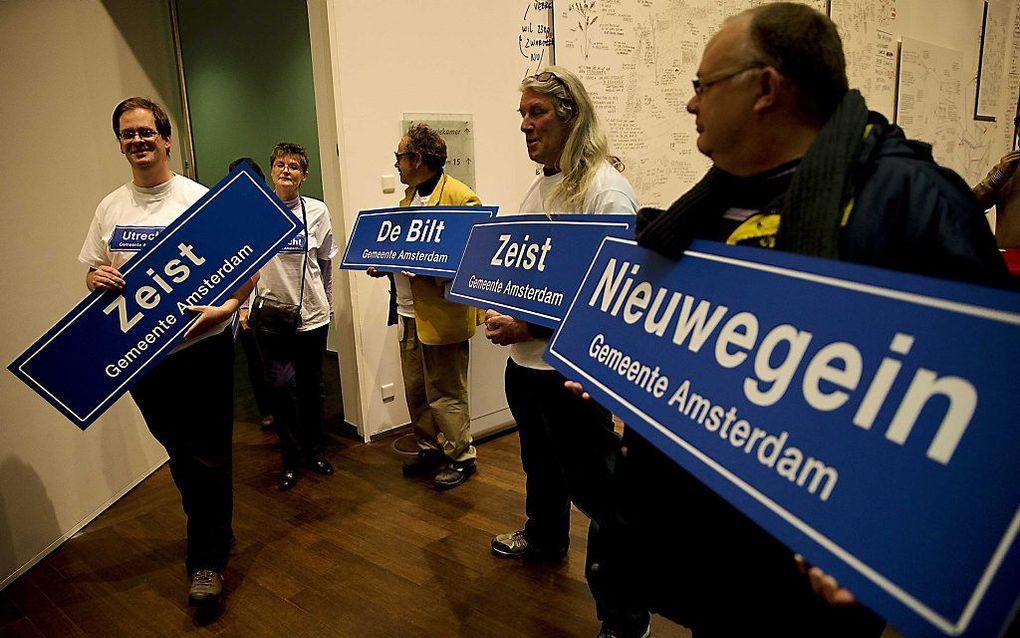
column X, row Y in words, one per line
column 300, row 274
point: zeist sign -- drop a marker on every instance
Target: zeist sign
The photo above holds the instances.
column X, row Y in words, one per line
column 100, row 348
column 528, row 266
column 866, row 418
column 426, row 240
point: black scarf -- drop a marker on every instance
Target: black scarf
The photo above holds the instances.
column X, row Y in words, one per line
column 812, row 209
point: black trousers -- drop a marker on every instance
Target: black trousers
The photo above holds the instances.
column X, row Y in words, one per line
column 256, row 375
column 682, row 551
column 293, row 369
column 568, row 449
column 187, row 401
column 566, row 445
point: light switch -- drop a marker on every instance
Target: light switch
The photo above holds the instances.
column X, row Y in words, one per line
column 389, row 183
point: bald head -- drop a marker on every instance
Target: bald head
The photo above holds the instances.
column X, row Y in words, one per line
column 731, row 44
column 768, row 80
column 804, row 46
column 727, row 93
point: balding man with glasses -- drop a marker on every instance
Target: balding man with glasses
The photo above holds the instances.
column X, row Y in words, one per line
column 789, row 143
column 434, row 332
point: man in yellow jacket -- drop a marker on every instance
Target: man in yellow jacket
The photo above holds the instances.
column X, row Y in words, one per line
column 434, row 332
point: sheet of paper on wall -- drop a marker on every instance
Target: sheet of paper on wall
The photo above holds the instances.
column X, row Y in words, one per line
column 931, row 104
column 870, row 31
column 535, row 36
column 994, row 58
column 642, row 105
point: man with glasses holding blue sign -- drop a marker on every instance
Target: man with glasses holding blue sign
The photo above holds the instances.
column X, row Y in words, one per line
column 434, row 349
column 187, row 399
column 800, row 165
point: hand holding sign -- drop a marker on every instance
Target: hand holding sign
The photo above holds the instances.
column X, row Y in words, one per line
column 504, row 330
column 870, row 427
column 371, row 271
column 211, row 316
column 577, row 389
column 825, row 585
column 104, row 278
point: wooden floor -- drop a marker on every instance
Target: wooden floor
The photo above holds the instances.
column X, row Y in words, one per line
column 365, row 552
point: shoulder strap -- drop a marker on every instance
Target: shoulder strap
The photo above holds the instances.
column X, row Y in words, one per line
column 304, row 262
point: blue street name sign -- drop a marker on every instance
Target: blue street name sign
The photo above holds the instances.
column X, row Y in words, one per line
column 866, row 418
column 528, row 266
column 100, row 348
column 426, row 240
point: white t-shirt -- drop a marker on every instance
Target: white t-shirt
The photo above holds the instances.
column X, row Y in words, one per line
column 130, row 217
column 609, row 194
column 405, row 299
column 402, row 283
column 281, row 276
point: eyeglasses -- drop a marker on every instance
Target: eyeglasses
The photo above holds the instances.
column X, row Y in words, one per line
column 397, row 156
column 145, row 134
column 702, row 84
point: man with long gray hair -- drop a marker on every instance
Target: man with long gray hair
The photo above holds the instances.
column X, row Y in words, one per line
column 564, row 440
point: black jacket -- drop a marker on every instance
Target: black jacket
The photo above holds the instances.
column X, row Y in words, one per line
column 912, row 215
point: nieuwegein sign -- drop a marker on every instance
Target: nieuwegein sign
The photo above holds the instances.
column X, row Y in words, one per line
column 866, row 418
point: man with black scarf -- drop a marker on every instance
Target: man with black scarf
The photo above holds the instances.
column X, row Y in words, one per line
column 800, row 165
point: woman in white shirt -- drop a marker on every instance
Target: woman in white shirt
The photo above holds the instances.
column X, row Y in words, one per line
column 300, row 274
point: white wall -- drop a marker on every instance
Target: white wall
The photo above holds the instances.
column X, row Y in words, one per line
column 342, row 331
column 66, row 65
column 444, row 56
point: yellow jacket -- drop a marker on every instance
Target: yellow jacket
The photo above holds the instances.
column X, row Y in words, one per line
column 439, row 321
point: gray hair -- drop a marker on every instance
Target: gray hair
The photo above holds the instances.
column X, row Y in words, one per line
column 587, row 144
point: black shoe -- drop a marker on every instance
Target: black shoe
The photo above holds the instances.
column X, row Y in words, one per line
column 516, row 545
column 206, row 588
column 288, row 480
column 424, row 462
column 319, row 465
column 455, row 473
column 612, row 633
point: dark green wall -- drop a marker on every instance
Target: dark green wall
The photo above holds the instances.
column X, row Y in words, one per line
column 248, row 72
